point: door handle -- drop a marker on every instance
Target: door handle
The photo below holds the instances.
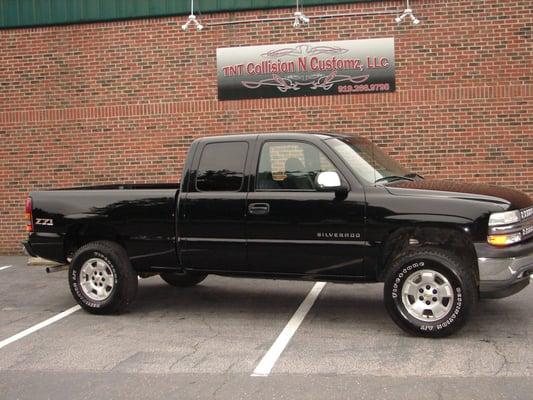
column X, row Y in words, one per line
column 259, row 208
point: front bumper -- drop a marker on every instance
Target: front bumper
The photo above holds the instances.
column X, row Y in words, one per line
column 504, row 271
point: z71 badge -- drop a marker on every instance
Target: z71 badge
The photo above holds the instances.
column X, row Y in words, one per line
column 44, row 221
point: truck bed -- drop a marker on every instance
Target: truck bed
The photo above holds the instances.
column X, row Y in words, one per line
column 139, row 216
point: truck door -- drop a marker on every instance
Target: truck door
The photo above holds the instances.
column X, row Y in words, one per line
column 212, row 212
column 294, row 229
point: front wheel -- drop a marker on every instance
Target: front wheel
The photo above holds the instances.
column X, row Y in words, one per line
column 429, row 292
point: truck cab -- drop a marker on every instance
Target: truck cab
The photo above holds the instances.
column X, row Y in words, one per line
column 252, row 203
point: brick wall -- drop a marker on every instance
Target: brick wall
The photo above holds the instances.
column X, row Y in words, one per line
column 122, row 101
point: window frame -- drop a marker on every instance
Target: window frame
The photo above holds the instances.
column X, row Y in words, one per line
column 197, row 169
column 256, row 180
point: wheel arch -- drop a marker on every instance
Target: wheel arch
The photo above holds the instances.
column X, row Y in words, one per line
column 79, row 235
column 444, row 236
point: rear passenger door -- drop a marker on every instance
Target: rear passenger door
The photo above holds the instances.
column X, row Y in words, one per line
column 212, row 212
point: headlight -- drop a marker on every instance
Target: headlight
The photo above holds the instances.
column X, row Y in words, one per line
column 503, row 230
column 503, row 218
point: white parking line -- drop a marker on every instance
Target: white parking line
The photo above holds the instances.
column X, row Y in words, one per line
column 5, row 267
column 40, row 325
column 269, row 359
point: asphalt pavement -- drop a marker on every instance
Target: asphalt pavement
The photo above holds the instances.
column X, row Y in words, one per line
column 205, row 342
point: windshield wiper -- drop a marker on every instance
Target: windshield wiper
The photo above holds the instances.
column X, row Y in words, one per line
column 394, row 178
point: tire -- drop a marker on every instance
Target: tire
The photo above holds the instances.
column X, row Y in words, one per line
column 101, row 278
column 184, row 279
column 429, row 292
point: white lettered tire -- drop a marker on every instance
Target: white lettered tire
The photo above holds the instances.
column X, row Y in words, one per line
column 101, row 278
column 429, row 292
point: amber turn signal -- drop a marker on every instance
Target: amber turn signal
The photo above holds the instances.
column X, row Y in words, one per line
column 504, row 240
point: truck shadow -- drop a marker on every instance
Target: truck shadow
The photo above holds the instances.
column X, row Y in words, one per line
column 245, row 296
column 238, row 297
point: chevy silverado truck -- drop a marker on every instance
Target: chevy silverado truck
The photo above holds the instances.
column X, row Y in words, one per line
column 318, row 207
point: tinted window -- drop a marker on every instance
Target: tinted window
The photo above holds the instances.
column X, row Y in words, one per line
column 221, row 167
column 290, row 166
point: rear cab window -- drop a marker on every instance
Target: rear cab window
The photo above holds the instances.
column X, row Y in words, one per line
column 221, row 167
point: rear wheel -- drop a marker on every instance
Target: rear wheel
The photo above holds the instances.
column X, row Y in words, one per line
column 101, row 278
column 429, row 292
column 182, row 279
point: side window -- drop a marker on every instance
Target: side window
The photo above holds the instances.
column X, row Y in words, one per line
column 221, row 167
column 290, row 166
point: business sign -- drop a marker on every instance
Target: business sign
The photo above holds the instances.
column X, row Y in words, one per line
column 306, row 69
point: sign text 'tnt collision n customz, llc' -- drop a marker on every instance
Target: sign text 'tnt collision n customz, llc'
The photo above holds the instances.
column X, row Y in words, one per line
column 306, row 69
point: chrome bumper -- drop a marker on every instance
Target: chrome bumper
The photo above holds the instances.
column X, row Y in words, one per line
column 504, row 271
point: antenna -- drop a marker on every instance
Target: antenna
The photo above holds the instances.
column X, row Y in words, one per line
column 373, row 156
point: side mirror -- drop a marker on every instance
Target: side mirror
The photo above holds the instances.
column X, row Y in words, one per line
column 330, row 181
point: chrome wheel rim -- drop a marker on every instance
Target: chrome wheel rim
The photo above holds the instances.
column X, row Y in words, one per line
column 97, row 279
column 427, row 295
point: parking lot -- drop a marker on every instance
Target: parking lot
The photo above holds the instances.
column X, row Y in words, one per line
column 205, row 342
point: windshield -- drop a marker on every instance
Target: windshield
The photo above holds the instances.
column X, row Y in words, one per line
column 365, row 159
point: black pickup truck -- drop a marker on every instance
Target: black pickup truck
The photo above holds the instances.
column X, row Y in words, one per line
column 317, row 207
